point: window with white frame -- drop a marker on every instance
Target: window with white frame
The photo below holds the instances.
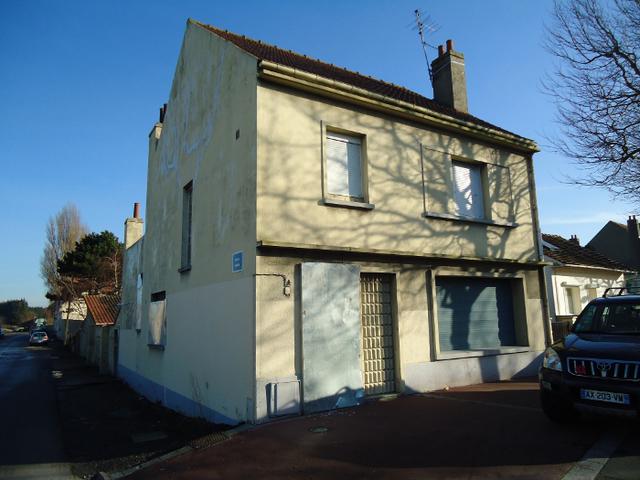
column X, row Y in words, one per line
column 344, row 166
column 572, row 300
column 468, row 191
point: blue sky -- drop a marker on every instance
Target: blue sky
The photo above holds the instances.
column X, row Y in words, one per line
column 81, row 83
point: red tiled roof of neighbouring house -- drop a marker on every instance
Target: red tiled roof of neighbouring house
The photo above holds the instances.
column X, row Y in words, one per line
column 103, row 308
column 264, row 51
column 569, row 252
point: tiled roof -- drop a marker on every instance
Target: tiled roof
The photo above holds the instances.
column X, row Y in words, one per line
column 264, row 51
column 570, row 253
column 103, row 308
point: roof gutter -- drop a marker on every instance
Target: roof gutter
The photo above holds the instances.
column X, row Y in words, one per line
column 594, row 267
column 300, row 79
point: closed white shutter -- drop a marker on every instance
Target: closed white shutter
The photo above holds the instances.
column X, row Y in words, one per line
column 344, row 169
column 467, row 182
column 157, row 323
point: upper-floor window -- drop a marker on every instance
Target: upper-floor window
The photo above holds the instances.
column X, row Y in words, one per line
column 344, row 166
column 468, row 190
column 187, row 209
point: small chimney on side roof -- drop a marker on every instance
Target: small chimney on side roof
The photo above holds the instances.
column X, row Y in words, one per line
column 133, row 227
column 449, row 80
column 575, row 240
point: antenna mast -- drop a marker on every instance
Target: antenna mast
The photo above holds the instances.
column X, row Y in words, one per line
column 430, row 27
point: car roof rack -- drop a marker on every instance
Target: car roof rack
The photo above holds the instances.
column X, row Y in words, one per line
column 620, row 290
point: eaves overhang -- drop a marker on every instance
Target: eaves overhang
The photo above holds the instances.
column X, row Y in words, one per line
column 276, row 244
column 305, row 81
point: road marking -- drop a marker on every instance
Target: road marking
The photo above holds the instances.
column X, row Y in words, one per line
column 597, row 457
column 479, row 402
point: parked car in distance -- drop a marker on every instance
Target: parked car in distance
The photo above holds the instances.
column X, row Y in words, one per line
column 38, row 338
column 1, row 333
column 596, row 367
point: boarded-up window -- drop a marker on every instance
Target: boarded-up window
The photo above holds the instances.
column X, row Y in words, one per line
column 187, row 207
column 467, row 190
column 344, row 166
column 139, row 302
column 157, row 320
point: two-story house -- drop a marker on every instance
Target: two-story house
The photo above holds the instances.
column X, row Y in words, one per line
column 315, row 236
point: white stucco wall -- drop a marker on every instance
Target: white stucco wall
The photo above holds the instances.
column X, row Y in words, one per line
column 208, row 137
column 419, row 367
column 290, row 184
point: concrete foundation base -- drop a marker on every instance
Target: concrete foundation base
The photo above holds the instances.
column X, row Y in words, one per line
column 429, row 376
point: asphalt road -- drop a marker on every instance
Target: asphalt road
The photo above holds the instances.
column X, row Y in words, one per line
column 30, row 438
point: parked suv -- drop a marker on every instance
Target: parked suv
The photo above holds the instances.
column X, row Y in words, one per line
column 597, row 366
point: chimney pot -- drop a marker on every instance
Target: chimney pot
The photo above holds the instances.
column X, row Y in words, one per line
column 440, row 50
column 136, row 210
column 449, row 45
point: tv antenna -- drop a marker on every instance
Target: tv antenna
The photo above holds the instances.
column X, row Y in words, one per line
column 424, row 24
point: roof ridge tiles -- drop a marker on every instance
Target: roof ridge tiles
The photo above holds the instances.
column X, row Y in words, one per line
column 570, row 253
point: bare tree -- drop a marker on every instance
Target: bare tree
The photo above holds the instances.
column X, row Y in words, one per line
column 596, row 86
column 62, row 232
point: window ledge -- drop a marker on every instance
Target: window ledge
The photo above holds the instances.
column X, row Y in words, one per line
column 153, row 346
column 485, row 352
column 333, row 202
column 458, row 218
column 185, row 269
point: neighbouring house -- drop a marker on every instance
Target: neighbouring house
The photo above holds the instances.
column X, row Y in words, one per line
column 314, row 236
column 96, row 339
column 68, row 317
column 576, row 276
column 621, row 243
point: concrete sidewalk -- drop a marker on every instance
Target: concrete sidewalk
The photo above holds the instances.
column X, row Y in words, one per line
column 108, row 427
column 484, row 431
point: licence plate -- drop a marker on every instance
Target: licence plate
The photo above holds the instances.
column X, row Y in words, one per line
column 610, row 397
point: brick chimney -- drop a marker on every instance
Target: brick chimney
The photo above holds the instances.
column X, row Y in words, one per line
column 133, row 227
column 575, row 240
column 449, row 81
column 634, row 242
